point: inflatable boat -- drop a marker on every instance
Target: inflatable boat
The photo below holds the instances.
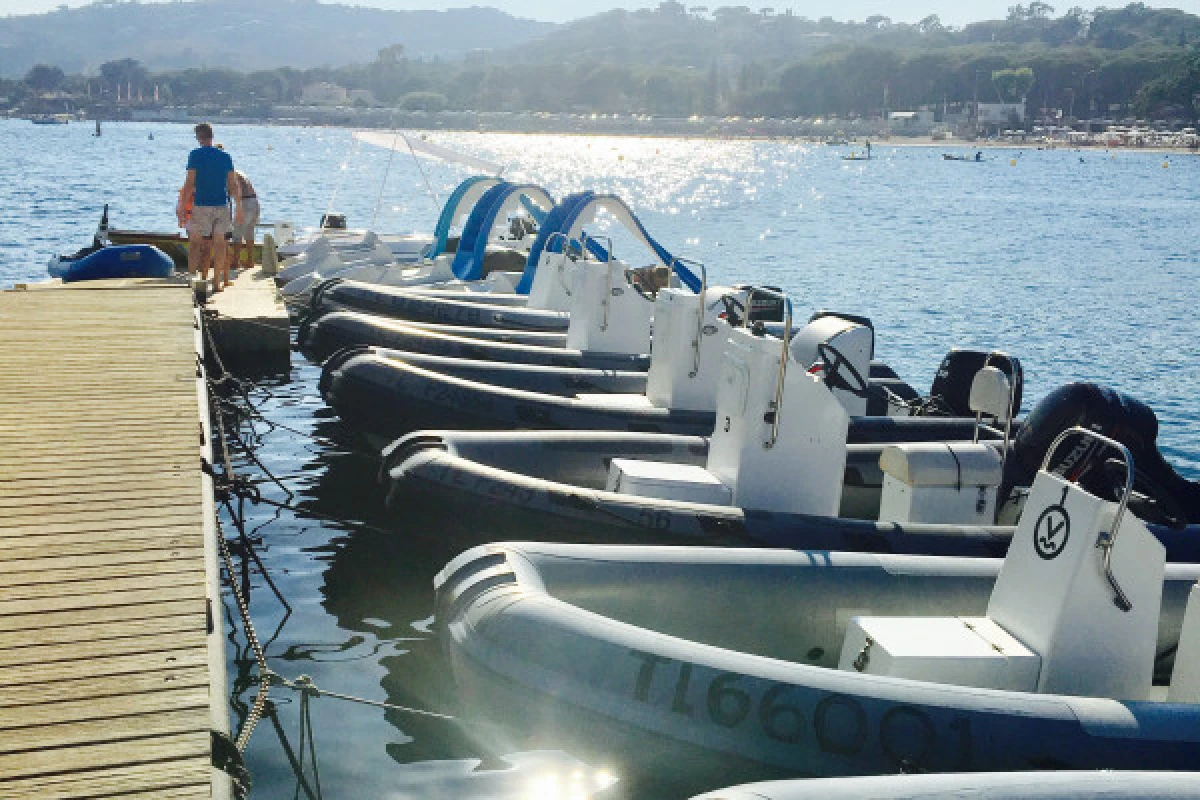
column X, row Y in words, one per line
column 392, row 395
column 609, row 319
column 323, row 336
column 1036, row 785
column 801, row 472
column 538, row 298
column 113, row 261
column 1079, row 650
column 489, row 240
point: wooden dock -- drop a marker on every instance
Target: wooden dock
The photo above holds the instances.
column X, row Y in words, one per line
column 111, row 673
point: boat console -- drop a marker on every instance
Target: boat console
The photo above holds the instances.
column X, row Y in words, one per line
column 1075, row 608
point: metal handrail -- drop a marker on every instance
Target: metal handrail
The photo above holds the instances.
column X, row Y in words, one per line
column 562, row 267
column 777, row 403
column 583, row 237
column 700, row 318
column 1012, row 401
column 1107, row 539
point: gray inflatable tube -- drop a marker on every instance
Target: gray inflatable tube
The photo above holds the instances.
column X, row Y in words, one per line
column 976, row 785
column 718, row 666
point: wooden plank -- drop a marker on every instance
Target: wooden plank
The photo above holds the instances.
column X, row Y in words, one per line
column 190, row 591
column 12, row 624
column 72, row 658
column 99, row 708
column 172, row 745
column 106, row 665
column 183, row 575
column 166, row 780
column 31, row 572
column 111, row 520
column 27, row 641
column 94, row 509
column 35, row 493
column 105, row 686
column 121, row 541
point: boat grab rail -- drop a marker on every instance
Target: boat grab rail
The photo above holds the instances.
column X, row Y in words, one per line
column 562, row 265
column 1012, row 401
column 1106, row 539
column 688, row 262
column 608, row 287
column 777, row 403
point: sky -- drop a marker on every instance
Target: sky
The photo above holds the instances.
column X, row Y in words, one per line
column 951, row 12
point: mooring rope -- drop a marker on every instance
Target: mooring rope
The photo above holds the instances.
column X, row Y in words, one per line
column 230, row 484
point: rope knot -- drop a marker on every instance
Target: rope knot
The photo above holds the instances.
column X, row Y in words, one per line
column 305, row 685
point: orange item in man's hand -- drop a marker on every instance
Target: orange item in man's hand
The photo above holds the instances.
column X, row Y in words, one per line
column 183, row 208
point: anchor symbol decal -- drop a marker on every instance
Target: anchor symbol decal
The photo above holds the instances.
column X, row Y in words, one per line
column 1052, row 530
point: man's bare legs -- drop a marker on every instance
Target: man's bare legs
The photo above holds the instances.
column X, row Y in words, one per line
column 199, row 251
column 220, row 256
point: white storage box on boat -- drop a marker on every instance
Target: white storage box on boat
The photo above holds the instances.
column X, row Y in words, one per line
column 963, row 651
column 688, row 483
column 939, row 482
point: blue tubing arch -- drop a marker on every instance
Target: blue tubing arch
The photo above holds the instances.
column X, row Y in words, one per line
column 461, row 200
column 494, row 204
column 552, row 224
column 585, row 212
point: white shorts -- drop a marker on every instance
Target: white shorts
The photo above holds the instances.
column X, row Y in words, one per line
column 209, row 221
column 245, row 231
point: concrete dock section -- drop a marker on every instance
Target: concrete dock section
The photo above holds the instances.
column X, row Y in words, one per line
column 112, row 665
column 250, row 321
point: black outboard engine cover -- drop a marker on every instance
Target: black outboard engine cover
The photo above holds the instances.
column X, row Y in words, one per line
column 1167, row 497
column 951, row 390
column 333, row 221
column 763, row 307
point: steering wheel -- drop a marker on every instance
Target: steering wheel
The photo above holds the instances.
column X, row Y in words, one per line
column 1149, row 501
column 833, row 361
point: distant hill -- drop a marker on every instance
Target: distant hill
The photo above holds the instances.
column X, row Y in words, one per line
column 247, row 34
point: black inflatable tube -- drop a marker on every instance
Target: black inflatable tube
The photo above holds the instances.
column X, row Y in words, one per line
column 389, row 396
column 426, row 465
column 319, row 338
column 442, row 308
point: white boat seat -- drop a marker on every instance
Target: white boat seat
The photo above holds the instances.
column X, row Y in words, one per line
column 1185, row 678
column 940, row 482
column 963, row 651
column 991, row 393
column 688, row 483
column 1053, row 596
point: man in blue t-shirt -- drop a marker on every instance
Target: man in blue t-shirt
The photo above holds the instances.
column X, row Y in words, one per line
column 210, row 184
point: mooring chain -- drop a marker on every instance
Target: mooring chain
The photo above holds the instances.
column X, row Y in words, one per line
column 229, row 483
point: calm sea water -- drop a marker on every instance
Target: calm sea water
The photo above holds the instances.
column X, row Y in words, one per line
column 1083, row 264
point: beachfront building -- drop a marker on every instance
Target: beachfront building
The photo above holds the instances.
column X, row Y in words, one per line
column 910, row 123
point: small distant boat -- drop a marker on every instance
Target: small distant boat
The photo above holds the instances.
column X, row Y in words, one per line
column 50, row 119
column 856, row 157
column 956, row 157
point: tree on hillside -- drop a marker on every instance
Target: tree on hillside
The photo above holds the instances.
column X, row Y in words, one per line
column 1012, row 84
column 44, row 78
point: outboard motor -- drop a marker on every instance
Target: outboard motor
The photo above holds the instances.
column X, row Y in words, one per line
column 333, row 221
column 1161, row 495
column 950, row 394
